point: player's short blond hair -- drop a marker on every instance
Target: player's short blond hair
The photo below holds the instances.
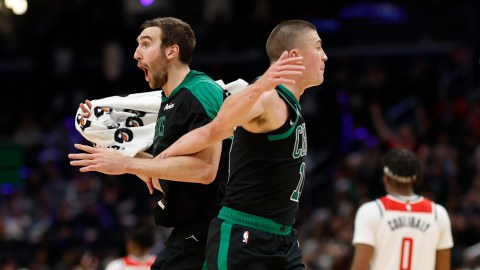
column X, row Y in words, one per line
column 286, row 36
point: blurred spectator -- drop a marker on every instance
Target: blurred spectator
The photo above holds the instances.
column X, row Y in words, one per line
column 138, row 255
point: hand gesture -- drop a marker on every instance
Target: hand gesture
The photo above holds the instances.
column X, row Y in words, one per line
column 103, row 160
column 282, row 71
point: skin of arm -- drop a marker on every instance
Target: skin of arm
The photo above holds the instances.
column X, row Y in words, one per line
column 240, row 109
column 442, row 259
column 200, row 167
column 362, row 257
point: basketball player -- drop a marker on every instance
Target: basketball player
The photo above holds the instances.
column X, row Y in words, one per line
column 190, row 99
column 267, row 161
column 192, row 184
column 401, row 230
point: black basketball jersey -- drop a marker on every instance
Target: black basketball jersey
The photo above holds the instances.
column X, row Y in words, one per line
column 194, row 103
column 267, row 170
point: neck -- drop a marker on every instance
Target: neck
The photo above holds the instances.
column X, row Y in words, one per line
column 176, row 74
column 401, row 192
column 296, row 90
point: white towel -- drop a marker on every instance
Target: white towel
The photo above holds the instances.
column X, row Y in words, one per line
column 233, row 87
column 127, row 123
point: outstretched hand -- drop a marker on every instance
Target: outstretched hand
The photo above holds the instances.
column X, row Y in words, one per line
column 103, row 160
column 283, row 71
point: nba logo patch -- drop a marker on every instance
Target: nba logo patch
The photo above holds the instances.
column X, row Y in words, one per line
column 245, row 237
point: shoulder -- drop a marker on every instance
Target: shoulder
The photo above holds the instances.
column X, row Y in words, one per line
column 202, row 85
column 441, row 213
column 116, row 264
column 372, row 209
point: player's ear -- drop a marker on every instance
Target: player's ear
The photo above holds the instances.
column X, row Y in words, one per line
column 172, row 51
column 385, row 180
column 293, row 53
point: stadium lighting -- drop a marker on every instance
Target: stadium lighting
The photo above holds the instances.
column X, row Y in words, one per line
column 19, row 7
column 146, row 3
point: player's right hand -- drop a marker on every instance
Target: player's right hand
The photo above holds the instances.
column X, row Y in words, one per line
column 283, row 71
column 86, row 108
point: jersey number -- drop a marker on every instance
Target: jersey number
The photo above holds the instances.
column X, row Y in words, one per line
column 298, row 191
column 406, row 254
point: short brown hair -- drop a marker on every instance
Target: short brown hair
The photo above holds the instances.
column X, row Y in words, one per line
column 285, row 36
column 175, row 31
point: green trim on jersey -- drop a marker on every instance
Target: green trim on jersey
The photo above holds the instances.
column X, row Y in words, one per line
column 286, row 91
column 289, row 132
column 202, row 87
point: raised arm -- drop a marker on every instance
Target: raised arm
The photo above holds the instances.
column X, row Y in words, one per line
column 238, row 109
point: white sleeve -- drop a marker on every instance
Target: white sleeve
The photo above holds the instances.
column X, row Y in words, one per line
column 445, row 239
column 116, row 264
column 366, row 222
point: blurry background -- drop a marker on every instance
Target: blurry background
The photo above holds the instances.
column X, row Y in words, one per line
column 400, row 73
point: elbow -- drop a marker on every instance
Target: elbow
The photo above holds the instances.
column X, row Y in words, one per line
column 219, row 130
column 208, row 175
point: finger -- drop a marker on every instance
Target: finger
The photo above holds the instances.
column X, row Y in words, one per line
column 286, row 73
column 285, row 81
column 86, row 148
column 83, row 107
column 283, row 56
column 80, row 162
column 92, row 168
column 290, row 67
column 291, row 60
column 86, row 169
column 149, row 183
column 89, row 104
column 82, row 156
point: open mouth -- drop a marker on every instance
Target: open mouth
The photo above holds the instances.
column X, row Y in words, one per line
column 145, row 70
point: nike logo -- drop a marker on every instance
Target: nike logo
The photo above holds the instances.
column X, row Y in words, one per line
column 291, row 122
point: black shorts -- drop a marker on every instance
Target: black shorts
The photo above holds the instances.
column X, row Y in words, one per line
column 240, row 241
column 181, row 252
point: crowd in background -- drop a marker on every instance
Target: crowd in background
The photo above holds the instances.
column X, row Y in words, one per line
column 425, row 98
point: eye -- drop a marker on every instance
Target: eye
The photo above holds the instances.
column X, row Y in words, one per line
column 146, row 45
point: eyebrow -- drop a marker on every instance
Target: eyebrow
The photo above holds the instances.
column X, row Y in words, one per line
column 143, row 37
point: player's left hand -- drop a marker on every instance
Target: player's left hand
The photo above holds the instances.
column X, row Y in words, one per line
column 103, row 160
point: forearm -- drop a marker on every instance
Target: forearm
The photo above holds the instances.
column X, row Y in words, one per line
column 197, row 168
column 183, row 169
column 442, row 261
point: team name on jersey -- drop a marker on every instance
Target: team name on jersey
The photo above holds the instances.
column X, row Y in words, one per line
column 300, row 149
column 169, row 106
column 410, row 222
